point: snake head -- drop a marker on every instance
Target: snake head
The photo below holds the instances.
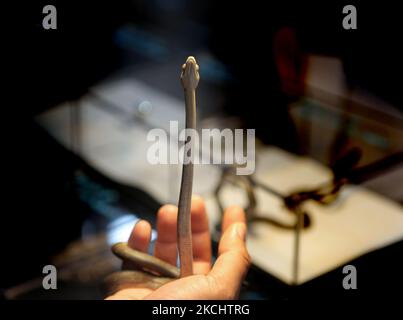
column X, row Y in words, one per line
column 190, row 74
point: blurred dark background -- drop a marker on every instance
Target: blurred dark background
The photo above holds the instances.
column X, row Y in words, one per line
column 258, row 56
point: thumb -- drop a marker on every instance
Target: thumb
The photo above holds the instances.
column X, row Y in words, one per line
column 233, row 259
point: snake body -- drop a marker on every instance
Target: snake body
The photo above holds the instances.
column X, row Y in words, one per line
column 144, row 270
column 190, row 79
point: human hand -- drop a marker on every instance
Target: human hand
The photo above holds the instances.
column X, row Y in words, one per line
column 220, row 281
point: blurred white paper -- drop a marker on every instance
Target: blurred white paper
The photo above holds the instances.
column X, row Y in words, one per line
column 358, row 222
column 115, row 143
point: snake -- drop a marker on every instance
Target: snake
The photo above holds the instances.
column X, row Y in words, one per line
column 143, row 270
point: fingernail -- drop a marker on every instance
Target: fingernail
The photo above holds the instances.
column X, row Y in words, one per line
column 240, row 229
